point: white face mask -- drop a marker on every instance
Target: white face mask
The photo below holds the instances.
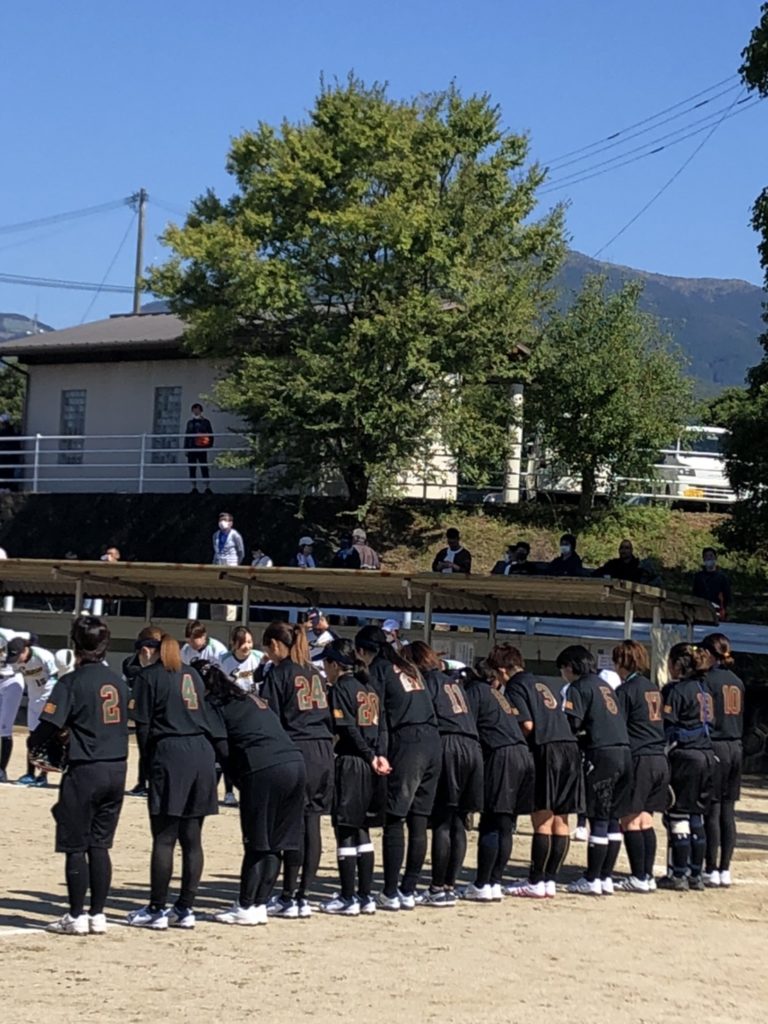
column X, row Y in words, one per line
column 565, row 550
column 709, row 563
column 224, row 524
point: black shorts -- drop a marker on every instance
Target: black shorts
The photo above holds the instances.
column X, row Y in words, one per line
column 692, row 777
column 729, row 754
column 318, row 762
column 358, row 793
column 460, row 786
column 182, row 777
column 608, row 782
column 272, row 807
column 89, row 804
column 559, row 785
column 415, row 753
column 509, row 780
column 650, row 786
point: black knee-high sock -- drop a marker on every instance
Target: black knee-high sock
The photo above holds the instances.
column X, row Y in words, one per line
column 99, row 877
column 441, row 850
column 416, row 851
column 698, row 844
column 507, row 826
column 313, row 851
column 346, row 856
column 6, row 749
column 458, row 849
column 76, row 871
column 727, row 833
column 597, row 848
column 558, row 851
column 192, row 860
column 541, row 847
column 680, row 847
column 713, row 836
column 365, row 862
column 393, row 850
column 257, row 877
column 635, row 844
column 487, row 848
column 614, row 848
column 292, row 861
column 650, row 842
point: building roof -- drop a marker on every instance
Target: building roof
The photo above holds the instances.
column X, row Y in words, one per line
column 120, row 333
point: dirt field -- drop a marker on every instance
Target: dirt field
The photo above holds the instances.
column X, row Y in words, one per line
column 637, row 959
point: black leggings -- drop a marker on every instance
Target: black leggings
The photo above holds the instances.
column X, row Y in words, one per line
column 306, row 860
column 449, row 847
column 494, row 847
column 393, row 848
column 166, row 832
column 721, row 835
column 88, row 868
column 257, row 877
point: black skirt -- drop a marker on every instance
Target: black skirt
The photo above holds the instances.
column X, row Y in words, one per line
column 272, row 807
column 182, row 778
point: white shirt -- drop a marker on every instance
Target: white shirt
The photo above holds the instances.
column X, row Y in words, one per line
column 450, row 554
column 241, row 671
column 212, row 652
column 265, row 562
column 305, row 561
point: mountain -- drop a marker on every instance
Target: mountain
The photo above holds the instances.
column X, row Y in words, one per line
column 15, row 325
column 715, row 322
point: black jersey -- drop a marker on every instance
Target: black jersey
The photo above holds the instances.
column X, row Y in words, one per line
column 92, row 702
column 591, row 705
column 641, row 704
column 536, row 702
column 688, row 713
column 170, row 703
column 356, row 717
column 298, row 695
column 405, row 700
column 255, row 737
column 727, row 692
column 451, row 708
column 496, row 719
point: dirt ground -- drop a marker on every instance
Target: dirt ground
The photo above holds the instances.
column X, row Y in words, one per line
column 638, row 959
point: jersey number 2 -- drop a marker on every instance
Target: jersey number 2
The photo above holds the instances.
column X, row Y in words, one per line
column 110, row 706
column 310, row 695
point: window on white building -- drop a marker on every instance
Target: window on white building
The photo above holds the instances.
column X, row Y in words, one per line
column 72, row 422
column 166, row 425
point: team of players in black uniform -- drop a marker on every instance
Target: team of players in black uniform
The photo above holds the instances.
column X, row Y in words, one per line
column 415, row 747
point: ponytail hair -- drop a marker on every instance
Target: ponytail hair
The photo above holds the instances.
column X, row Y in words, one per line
column 371, row 638
column 170, row 652
column 719, row 646
column 342, row 651
column 689, row 660
column 422, row 656
column 631, row 656
column 293, row 637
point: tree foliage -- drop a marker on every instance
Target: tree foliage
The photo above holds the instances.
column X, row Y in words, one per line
column 608, row 389
column 13, row 384
column 369, row 280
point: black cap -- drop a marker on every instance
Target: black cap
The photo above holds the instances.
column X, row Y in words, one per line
column 16, row 648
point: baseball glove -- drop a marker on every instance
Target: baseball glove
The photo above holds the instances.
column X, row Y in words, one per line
column 53, row 755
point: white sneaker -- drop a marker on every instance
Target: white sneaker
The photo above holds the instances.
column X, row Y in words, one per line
column 711, row 879
column 157, row 920
column 407, row 900
column 387, row 902
column 367, row 904
column 606, row 885
column 581, row 887
column 230, row 800
column 580, row 834
column 652, row 886
column 632, row 884
column 243, row 915
column 477, row 894
column 497, row 892
column 283, row 906
column 341, row 907
column 725, row 879
column 97, row 924
column 69, row 925
column 551, row 887
column 181, row 918
column 305, row 910
column 528, row 890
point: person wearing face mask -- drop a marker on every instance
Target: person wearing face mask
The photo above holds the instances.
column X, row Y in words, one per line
column 567, row 562
column 454, row 557
column 346, row 557
column 712, row 584
column 228, row 547
column 515, row 561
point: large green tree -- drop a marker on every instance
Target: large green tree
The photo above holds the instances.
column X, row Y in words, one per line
column 370, row 281
column 608, row 389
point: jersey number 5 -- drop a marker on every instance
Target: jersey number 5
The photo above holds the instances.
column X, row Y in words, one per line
column 110, row 706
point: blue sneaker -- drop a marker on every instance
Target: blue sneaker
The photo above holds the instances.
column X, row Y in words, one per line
column 26, row 780
column 157, row 920
column 39, row 783
column 181, row 917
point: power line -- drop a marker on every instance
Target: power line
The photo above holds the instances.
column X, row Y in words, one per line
column 638, row 124
column 169, row 207
column 666, row 184
column 112, row 262
column 54, row 282
column 86, row 211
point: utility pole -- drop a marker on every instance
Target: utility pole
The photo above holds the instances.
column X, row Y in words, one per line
column 140, row 200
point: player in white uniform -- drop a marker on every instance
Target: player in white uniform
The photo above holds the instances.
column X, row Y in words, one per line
column 38, row 667
column 11, row 692
column 200, row 646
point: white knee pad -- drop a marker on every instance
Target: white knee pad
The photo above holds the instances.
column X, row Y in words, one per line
column 680, row 827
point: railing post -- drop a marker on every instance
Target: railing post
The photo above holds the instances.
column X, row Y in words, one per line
column 36, row 464
column 142, row 456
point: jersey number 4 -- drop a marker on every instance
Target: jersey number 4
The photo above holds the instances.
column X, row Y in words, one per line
column 189, row 693
column 110, row 704
column 310, row 694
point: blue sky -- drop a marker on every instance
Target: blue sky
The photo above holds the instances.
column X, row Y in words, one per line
column 100, row 99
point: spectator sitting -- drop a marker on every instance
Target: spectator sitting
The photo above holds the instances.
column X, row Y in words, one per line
column 228, row 547
column 304, row 559
column 515, row 561
column 626, row 567
column 369, row 558
column 567, row 562
column 453, row 558
column 259, row 560
column 712, row 584
column 112, row 554
column 347, row 557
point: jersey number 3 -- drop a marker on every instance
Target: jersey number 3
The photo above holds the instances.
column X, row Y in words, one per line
column 110, row 704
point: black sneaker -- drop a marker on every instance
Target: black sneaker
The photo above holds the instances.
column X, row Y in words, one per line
column 674, row 884
column 696, row 883
column 138, row 790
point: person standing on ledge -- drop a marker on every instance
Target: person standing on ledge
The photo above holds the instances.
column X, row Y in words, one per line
column 712, row 584
column 453, row 558
column 228, row 547
column 198, row 440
